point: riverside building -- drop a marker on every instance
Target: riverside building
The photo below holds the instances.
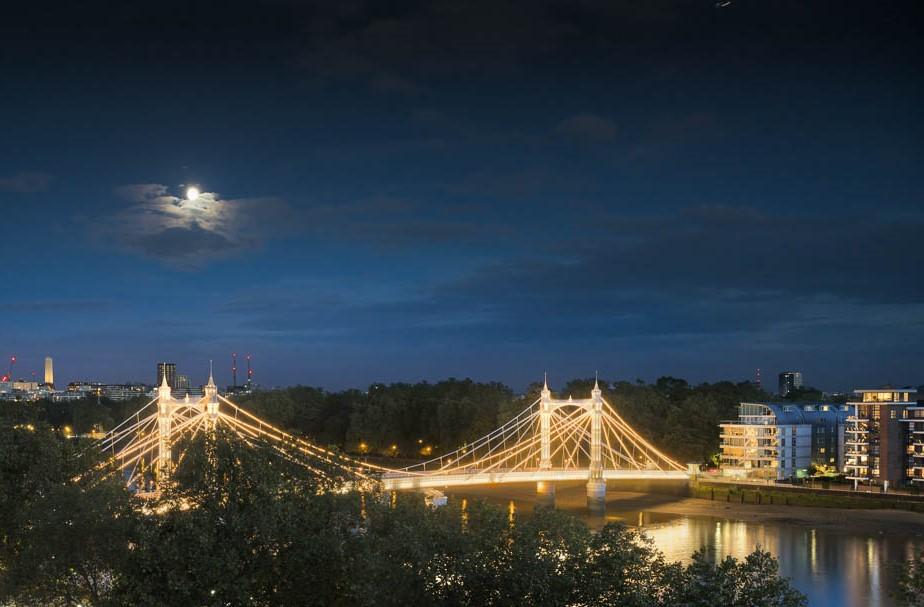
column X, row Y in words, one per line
column 777, row 441
column 885, row 437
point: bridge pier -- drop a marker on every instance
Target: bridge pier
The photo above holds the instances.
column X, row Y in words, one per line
column 596, row 495
column 545, row 493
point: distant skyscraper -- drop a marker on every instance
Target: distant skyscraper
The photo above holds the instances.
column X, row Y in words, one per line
column 49, row 372
column 790, row 380
column 170, row 369
column 182, row 383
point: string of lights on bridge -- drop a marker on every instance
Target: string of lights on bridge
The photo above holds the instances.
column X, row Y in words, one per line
column 550, row 440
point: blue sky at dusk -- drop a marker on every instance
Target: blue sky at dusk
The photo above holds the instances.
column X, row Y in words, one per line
column 417, row 190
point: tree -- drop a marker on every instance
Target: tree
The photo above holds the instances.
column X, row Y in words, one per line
column 754, row 582
column 63, row 530
column 623, row 568
column 67, row 546
column 804, row 394
column 238, row 525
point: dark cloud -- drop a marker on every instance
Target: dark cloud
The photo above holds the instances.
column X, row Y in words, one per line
column 588, row 128
column 192, row 233
column 55, row 306
column 706, row 271
column 410, row 45
column 393, row 223
column 433, row 40
column 722, row 248
column 389, row 83
column 190, row 246
column 25, row 183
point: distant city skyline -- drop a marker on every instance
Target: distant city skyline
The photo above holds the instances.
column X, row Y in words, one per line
column 196, row 377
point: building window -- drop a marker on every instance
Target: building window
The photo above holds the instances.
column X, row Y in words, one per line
column 892, row 414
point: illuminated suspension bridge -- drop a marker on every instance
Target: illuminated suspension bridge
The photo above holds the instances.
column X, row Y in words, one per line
column 552, row 440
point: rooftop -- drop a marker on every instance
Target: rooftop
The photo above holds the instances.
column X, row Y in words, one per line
column 796, row 413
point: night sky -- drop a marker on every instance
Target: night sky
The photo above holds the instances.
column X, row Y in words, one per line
column 398, row 191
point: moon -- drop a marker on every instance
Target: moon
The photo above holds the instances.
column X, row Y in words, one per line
column 192, row 193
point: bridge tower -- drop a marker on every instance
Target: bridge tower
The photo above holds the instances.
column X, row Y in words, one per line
column 165, row 407
column 596, row 484
column 545, row 490
column 211, row 399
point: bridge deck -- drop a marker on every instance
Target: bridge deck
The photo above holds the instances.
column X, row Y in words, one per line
column 393, row 481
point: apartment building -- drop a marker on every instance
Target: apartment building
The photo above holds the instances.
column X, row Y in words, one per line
column 885, row 437
column 783, row 440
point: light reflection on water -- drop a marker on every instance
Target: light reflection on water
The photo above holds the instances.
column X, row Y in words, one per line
column 833, row 567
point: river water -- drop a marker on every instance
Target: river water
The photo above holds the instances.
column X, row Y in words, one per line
column 832, row 567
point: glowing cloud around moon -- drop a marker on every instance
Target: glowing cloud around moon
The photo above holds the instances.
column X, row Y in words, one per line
column 192, row 193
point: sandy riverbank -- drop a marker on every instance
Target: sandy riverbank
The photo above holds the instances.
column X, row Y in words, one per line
column 885, row 521
column 570, row 497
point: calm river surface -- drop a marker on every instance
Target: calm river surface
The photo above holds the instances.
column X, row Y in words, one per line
column 833, row 567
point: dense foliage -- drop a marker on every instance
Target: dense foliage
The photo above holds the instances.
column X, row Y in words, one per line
column 416, row 420
column 242, row 527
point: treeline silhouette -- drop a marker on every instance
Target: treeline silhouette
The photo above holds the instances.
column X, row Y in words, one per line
column 425, row 419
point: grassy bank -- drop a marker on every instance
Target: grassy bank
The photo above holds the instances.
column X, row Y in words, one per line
column 738, row 494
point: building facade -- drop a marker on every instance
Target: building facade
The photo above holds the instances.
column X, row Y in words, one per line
column 109, row 391
column 885, row 437
column 788, row 381
column 783, row 440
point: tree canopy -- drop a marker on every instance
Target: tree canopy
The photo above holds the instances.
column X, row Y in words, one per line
column 240, row 526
